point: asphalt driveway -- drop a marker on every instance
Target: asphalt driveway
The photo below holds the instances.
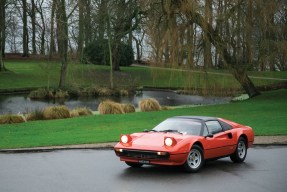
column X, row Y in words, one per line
column 100, row 171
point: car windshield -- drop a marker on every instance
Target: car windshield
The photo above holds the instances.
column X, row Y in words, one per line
column 183, row 126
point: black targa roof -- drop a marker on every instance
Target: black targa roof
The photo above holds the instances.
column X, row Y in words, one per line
column 203, row 118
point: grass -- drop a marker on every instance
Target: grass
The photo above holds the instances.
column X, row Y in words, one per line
column 30, row 74
column 266, row 114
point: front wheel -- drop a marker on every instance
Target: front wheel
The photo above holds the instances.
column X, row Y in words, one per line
column 135, row 165
column 194, row 160
column 241, row 151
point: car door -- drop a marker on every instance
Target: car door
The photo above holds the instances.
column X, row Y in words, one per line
column 219, row 142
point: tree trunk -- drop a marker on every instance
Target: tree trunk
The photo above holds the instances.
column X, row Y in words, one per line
column 25, row 30
column 115, row 55
column 33, row 21
column 3, row 28
column 81, row 30
column 2, row 32
column 52, row 41
column 88, row 32
column 249, row 26
column 43, row 27
column 62, row 34
column 241, row 76
column 206, row 41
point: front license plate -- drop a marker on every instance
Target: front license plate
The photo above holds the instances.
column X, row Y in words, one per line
column 143, row 161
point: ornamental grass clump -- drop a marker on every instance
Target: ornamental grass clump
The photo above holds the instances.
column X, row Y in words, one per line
column 128, row 108
column 104, row 91
column 149, row 104
column 123, row 92
column 40, row 94
column 56, row 112
column 110, row 107
column 81, row 111
column 10, row 119
column 61, row 94
column 37, row 114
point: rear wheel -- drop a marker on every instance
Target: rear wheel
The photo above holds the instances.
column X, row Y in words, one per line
column 132, row 164
column 241, row 151
column 194, row 160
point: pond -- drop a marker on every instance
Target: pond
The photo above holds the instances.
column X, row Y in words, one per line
column 20, row 103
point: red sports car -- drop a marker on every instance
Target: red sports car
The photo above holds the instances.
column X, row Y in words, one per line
column 187, row 141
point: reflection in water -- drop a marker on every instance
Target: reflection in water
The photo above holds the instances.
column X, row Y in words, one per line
column 21, row 104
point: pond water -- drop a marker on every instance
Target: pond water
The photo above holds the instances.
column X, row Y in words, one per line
column 20, row 103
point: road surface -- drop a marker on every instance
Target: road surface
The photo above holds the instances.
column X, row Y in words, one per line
column 264, row 170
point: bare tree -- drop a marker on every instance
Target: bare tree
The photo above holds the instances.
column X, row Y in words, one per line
column 206, row 43
column 52, row 47
column 62, row 39
column 41, row 26
column 33, row 23
column 2, row 33
column 25, row 30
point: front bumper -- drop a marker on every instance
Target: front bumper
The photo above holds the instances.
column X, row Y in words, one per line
column 152, row 157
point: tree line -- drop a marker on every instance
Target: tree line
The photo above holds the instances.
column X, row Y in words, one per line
column 239, row 35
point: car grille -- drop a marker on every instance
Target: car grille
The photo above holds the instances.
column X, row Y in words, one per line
column 138, row 154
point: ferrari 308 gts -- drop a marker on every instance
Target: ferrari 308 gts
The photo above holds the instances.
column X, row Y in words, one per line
column 187, row 141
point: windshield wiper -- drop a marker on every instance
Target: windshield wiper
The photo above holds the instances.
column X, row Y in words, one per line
column 171, row 130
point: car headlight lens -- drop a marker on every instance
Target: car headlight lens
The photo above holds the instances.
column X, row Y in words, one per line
column 124, row 139
column 168, row 141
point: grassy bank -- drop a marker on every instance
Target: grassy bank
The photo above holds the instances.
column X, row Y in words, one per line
column 266, row 113
column 26, row 74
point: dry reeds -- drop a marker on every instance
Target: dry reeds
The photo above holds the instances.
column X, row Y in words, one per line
column 40, row 94
column 81, row 111
column 46, row 94
column 61, row 94
column 104, row 91
column 56, row 112
column 128, row 108
column 149, row 104
column 37, row 114
column 10, row 119
column 123, row 92
column 110, row 107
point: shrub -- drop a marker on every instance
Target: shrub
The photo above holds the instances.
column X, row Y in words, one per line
column 40, row 94
column 104, row 91
column 56, row 112
column 9, row 119
column 110, row 107
column 149, row 104
column 126, row 55
column 81, row 111
column 128, row 108
column 37, row 114
column 61, row 94
column 123, row 92
column 97, row 52
column 46, row 94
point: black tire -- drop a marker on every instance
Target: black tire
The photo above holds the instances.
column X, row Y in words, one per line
column 194, row 160
column 241, row 151
column 135, row 165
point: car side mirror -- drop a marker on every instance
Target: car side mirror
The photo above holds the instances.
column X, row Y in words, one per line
column 209, row 135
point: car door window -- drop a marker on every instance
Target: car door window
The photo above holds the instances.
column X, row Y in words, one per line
column 213, row 127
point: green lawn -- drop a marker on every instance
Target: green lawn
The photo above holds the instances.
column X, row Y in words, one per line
column 29, row 74
column 266, row 114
